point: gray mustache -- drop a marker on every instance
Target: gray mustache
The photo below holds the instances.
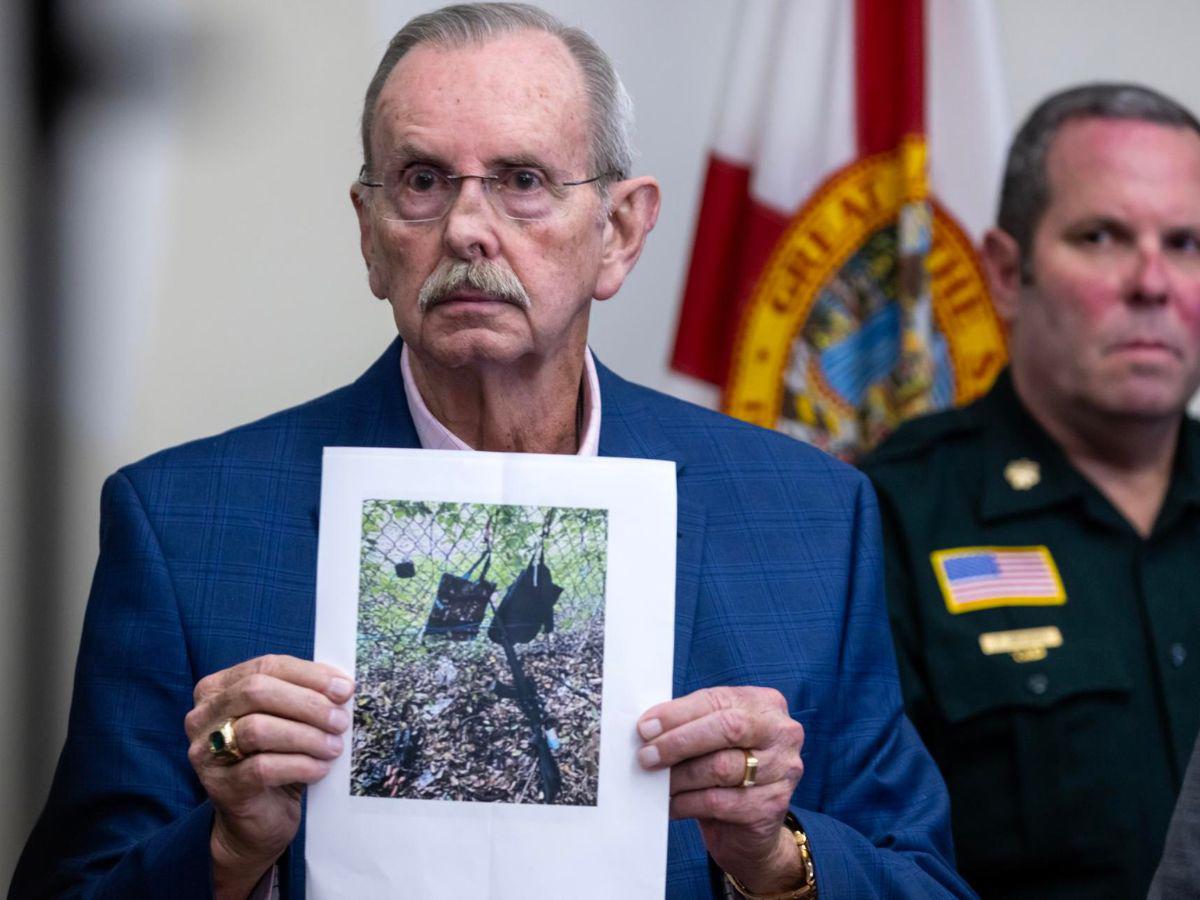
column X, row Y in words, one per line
column 485, row 277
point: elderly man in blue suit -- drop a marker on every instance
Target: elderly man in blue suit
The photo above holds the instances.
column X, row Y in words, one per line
column 494, row 205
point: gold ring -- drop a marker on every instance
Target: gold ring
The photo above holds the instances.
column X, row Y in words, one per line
column 223, row 744
column 750, row 773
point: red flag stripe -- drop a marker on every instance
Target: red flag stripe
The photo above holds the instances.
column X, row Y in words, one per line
column 889, row 65
column 734, row 237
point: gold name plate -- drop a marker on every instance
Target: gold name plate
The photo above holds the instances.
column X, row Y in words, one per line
column 1023, row 644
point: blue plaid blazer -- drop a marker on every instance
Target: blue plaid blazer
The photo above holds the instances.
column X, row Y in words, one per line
column 208, row 557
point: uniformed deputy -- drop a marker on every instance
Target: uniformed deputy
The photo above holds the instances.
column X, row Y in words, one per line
column 1044, row 543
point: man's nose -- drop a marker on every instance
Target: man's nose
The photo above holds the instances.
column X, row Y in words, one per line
column 1151, row 279
column 470, row 224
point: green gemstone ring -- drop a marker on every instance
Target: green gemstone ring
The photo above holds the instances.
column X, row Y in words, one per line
column 223, row 744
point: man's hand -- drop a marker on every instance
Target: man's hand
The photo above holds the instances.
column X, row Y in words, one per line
column 288, row 725
column 702, row 738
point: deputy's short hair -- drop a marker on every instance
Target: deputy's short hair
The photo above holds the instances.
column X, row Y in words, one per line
column 1025, row 192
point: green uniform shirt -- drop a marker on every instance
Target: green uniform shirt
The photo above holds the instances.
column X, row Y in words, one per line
column 1063, row 748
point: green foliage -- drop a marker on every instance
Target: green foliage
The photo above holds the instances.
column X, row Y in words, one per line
column 452, row 537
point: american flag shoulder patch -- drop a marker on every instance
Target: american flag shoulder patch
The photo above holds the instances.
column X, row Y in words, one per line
column 974, row 578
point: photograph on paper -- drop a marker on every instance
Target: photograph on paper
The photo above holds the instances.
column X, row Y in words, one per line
column 479, row 652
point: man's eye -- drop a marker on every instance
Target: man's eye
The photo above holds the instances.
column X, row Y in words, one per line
column 420, row 179
column 1184, row 242
column 522, row 181
column 1097, row 237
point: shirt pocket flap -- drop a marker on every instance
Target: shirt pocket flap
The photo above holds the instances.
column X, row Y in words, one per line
column 969, row 684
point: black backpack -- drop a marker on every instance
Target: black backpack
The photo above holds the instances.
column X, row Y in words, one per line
column 528, row 605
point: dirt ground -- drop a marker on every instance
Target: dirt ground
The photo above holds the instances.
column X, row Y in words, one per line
column 439, row 731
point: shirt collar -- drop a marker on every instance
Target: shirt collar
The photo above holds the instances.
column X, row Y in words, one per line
column 1184, row 490
column 1014, row 436
column 433, row 435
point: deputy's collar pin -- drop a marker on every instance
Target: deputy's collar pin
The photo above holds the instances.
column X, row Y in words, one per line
column 1022, row 474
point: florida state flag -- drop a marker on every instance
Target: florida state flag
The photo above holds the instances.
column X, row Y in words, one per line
column 831, row 292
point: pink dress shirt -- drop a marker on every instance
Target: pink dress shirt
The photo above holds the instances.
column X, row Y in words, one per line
column 436, row 436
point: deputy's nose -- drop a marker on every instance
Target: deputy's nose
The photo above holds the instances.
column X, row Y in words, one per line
column 1150, row 281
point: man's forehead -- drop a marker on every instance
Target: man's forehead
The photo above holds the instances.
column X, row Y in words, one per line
column 511, row 93
column 1105, row 157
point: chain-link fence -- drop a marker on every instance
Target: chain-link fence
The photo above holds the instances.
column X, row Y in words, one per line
column 444, row 710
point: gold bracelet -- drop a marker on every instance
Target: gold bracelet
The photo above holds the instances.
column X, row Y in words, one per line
column 806, row 891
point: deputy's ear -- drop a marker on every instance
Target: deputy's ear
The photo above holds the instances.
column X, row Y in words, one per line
column 1002, row 262
column 366, row 240
column 634, row 205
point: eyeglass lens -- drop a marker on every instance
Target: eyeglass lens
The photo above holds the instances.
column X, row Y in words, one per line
column 421, row 193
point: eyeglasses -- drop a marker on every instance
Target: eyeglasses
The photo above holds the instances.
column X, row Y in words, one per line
column 422, row 193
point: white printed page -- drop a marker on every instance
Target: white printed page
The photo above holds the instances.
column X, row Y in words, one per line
column 507, row 618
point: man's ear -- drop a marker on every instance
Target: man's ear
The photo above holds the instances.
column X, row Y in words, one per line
column 634, row 205
column 1002, row 263
column 366, row 240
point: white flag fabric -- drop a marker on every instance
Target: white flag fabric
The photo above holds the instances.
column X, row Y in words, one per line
column 833, row 288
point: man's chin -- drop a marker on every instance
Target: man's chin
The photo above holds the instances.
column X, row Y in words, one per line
column 470, row 347
column 1147, row 397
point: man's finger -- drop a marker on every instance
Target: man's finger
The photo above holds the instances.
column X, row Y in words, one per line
column 261, row 733
column 736, row 806
column 268, row 770
column 728, row 727
column 259, row 693
column 725, row 768
column 673, row 713
column 321, row 677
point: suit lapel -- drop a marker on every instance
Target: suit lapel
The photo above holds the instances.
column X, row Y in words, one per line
column 630, row 426
column 375, row 413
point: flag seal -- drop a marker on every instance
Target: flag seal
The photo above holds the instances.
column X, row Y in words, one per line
column 872, row 308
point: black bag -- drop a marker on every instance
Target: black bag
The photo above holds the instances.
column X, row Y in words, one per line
column 460, row 603
column 527, row 607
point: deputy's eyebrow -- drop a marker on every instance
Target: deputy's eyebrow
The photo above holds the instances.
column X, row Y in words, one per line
column 1113, row 226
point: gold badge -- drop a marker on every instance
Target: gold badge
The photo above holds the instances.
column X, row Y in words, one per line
column 1022, row 474
column 1022, row 644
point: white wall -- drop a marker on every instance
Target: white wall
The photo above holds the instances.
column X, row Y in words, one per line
column 1050, row 44
column 254, row 297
